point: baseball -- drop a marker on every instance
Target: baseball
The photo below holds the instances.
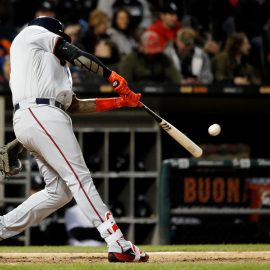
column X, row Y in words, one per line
column 214, row 129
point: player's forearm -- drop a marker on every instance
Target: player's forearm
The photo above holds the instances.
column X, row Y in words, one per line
column 84, row 60
column 82, row 106
column 87, row 106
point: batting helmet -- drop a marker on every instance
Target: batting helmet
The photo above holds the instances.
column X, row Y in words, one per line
column 51, row 24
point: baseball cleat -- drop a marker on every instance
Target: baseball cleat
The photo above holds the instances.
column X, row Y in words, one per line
column 133, row 254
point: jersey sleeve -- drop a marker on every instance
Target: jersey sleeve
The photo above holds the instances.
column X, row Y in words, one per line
column 43, row 39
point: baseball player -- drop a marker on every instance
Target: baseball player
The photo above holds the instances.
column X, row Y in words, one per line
column 41, row 86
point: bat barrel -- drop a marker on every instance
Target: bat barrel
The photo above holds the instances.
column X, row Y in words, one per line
column 176, row 134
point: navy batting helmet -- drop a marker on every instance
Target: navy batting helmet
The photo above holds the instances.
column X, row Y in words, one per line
column 51, row 24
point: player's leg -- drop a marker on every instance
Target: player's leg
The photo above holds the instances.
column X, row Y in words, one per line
column 53, row 138
column 38, row 206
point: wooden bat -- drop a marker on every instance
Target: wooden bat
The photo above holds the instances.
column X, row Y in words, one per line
column 180, row 137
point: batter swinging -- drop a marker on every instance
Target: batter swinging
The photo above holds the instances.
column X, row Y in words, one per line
column 41, row 88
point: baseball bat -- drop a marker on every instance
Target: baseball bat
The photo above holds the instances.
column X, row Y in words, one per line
column 180, row 137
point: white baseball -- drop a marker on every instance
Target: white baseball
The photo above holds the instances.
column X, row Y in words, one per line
column 214, row 129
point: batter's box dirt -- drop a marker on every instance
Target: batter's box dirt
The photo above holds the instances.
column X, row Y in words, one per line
column 156, row 257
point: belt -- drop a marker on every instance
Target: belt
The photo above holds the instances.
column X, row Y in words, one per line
column 45, row 101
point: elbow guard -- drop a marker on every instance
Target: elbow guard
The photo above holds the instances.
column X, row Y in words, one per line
column 66, row 51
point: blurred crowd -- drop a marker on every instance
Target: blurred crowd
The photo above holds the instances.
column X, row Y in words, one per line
column 180, row 42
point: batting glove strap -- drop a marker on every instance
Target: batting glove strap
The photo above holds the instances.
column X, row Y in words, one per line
column 118, row 83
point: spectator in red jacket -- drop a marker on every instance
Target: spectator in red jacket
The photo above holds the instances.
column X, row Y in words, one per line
column 167, row 25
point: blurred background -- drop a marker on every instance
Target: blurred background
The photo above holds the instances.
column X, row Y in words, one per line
column 196, row 62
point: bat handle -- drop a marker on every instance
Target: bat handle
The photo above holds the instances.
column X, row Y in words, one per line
column 141, row 105
column 149, row 111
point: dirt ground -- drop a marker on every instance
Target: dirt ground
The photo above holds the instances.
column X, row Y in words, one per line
column 155, row 257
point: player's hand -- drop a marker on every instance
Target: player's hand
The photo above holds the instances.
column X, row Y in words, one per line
column 130, row 100
column 118, row 83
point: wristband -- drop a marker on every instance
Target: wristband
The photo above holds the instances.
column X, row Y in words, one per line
column 106, row 104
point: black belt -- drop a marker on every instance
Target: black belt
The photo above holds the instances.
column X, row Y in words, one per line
column 45, row 101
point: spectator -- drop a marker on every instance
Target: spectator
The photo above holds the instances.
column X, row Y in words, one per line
column 107, row 51
column 81, row 231
column 42, row 8
column 4, row 60
column 98, row 25
column 251, row 18
column 149, row 63
column 167, row 25
column 222, row 15
column 190, row 60
column 6, row 68
column 139, row 10
column 73, row 29
column 198, row 9
column 23, row 11
column 122, row 33
column 46, row 8
column 266, row 53
column 75, row 10
column 231, row 65
column 211, row 47
column 202, row 36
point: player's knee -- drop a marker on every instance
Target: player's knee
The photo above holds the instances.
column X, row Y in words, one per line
column 60, row 197
column 67, row 197
column 64, row 198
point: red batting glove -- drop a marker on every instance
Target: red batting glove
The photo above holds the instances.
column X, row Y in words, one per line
column 130, row 100
column 118, row 83
column 106, row 104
